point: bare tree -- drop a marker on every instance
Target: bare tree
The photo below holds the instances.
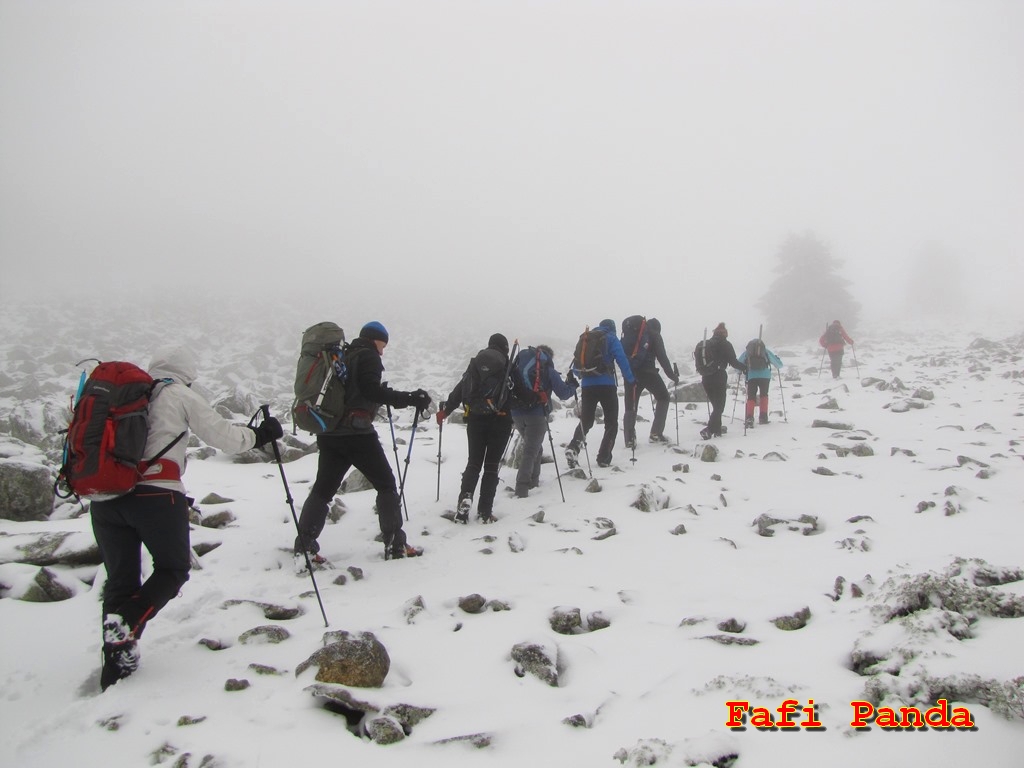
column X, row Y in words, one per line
column 808, row 291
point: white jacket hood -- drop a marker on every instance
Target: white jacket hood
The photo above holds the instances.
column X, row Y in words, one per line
column 174, row 362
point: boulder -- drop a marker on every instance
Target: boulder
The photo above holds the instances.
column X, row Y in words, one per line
column 357, row 659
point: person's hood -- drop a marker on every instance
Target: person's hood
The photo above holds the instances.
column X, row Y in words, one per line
column 174, row 362
column 608, row 326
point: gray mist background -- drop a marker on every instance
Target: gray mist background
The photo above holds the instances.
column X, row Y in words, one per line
column 511, row 165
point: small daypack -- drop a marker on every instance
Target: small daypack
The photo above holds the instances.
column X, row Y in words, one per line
column 533, row 366
column 320, row 378
column 106, row 438
column 636, row 340
column 591, row 355
column 485, row 382
column 757, row 358
column 701, row 361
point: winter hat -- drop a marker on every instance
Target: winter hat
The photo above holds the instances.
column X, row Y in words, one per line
column 720, row 330
column 654, row 324
column 547, row 351
column 608, row 325
column 499, row 342
column 374, row 331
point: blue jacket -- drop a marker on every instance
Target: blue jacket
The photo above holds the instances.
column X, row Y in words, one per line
column 617, row 353
column 553, row 383
column 762, row 373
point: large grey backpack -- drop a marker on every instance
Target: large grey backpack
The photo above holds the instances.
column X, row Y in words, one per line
column 320, row 377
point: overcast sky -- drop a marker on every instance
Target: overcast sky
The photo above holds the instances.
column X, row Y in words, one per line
column 564, row 159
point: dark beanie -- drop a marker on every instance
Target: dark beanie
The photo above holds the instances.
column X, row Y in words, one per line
column 654, row 324
column 498, row 341
column 720, row 330
column 374, row 331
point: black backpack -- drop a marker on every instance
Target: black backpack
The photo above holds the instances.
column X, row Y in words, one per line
column 701, row 360
column 833, row 335
column 320, row 377
column 636, row 340
column 485, row 382
column 591, row 355
column 757, row 357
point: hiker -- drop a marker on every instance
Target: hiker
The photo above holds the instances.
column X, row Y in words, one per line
column 485, row 389
column 598, row 385
column 646, row 352
column 719, row 354
column 156, row 513
column 834, row 340
column 354, row 443
column 531, row 421
column 759, row 361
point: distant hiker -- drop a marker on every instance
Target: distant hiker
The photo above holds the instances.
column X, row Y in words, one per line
column 718, row 354
column 597, row 353
column 536, row 365
column 645, row 349
column 354, row 443
column 156, row 513
column 486, row 390
column 834, row 340
column 759, row 361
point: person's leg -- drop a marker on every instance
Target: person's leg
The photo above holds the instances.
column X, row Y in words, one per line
column 718, row 395
column 121, row 550
column 532, row 445
column 657, row 388
column 609, row 399
column 536, row 431
column 160, row 517
column 476, row 435
column 499, row 429
column 588, row 414
column 748, row 413
column 367, row 455
column 332, row 464
column 835, row 359
column 763, row 403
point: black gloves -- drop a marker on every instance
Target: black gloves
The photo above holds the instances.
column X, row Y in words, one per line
column 570, row 379
column 270, row 429
column 419, row 399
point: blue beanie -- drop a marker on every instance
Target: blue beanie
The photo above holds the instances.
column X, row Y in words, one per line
column 374, row 331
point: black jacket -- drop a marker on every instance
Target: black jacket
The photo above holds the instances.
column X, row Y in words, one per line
column 720, row 353
column 364, row 391
column 516, row 391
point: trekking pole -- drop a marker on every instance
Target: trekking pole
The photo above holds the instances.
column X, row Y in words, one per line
column 782, row 394
column 408, row 455
column 736, row 398
column 551, row 442
column 440, row 434
column 265, row 410
column 586, row 451
column 398, row 466
column 823, row 352
column 675, row 397
column 853, row 348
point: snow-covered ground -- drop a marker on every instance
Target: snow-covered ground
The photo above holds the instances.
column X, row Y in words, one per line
column 892, row 527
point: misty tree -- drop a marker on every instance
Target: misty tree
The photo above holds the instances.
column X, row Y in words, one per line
column 808, row 291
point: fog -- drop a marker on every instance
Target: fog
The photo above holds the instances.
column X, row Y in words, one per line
column 509, row 164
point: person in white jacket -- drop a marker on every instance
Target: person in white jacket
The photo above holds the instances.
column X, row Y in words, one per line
column 155, row 513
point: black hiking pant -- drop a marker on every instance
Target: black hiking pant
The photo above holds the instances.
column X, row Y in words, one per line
column 608, row 397
column 651, row 381
column 487, row 435
column 835, row 360
column 150, row 517
column 716, row 385
column 338, row 454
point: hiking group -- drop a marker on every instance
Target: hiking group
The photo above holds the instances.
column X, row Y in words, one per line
column 126, row 443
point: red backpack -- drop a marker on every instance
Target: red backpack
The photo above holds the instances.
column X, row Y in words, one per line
column 105, row 441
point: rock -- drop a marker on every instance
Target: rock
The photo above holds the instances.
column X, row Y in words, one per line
column 836, row 425
column 731, row 625
column 708, row 452
column 862, row 449
column 923, row 394
column 804, row 524
column 593, row 486
column 597, row 621
column 233, row 684
column 218, row 519
column 56, row 548
column 650, row 498
column 830, row 404
column 679, row 530
column 359, row 660
column 537, row 660
column 824, row 471
column 413, row 607
column 793, row 622
column 354, row 482
column 774, row 456
column 472, row 603
column 731, row 640
column 384, row 730
column 214, row 498
column 565, row 620
column 26, row 490
column 265, row 634
column 271, row 612
column 47, row 587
